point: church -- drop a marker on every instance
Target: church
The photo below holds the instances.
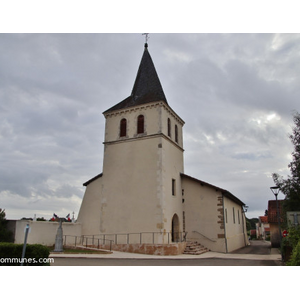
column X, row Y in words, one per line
column 143, row 196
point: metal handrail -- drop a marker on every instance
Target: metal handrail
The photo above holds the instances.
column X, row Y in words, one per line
column 204, row 235
column 171, row 237
column 180, row 236
column 81, row 241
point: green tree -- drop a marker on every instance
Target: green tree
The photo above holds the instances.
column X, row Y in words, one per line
column 290, row 187
column 251, row 223
column 5, row 234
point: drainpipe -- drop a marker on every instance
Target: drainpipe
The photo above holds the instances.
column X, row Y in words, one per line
column 243, row 219
column 224, row 223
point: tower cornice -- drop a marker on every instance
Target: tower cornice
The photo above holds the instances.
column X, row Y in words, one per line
column 144, row 137
column 143, row 107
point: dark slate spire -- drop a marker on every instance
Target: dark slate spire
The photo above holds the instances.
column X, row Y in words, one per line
column 146, row 88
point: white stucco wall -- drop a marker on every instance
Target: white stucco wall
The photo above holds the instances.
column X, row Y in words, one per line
column 205, row 210
column 89, row 213
column 130, row 199
column 134, row 193
column 202, row 215
column 235, row 224
column 43, row 232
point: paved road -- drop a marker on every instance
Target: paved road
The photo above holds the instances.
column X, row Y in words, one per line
column 162, row 262
column 256, row 247
column 257, row 254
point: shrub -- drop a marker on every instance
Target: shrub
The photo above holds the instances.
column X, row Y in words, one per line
column 290, row 242
column 5, row 234
column 295, row 258
column 11, row 254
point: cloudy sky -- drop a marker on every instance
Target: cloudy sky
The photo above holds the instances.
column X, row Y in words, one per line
column 236, row 93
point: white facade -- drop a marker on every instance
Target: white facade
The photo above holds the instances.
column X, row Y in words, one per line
column 143, row 188
column 134, row 193
column 213, row 216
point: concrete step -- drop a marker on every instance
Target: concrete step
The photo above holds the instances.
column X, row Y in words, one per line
column 195, row 248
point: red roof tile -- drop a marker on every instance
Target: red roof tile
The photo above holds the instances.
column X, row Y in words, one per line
column 264, row 219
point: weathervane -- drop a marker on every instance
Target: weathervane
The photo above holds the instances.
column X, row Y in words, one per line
column 146, row 36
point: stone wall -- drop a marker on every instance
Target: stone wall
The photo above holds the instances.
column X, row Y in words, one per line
column 152, row 249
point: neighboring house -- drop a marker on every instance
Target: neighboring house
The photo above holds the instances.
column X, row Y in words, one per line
column 273, row 221
column 293, row 218
column 263, row 228
column 253, row 233
column 143, row 195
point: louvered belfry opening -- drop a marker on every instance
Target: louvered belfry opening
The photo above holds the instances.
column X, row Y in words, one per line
column 123, row 127
column 140, row 124
column 169, row 127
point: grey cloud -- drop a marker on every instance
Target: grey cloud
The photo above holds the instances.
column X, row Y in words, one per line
column 236, row 93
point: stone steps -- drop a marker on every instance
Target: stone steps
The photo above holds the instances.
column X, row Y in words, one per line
column 194, row 248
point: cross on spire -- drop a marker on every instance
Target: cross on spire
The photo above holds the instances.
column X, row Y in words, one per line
column 146, row 37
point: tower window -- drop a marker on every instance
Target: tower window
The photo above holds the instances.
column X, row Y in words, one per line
column 233, row 215
column 169, row 127
column 176, row 133
column 140, row 124
column 173, row 187
column 123, row 127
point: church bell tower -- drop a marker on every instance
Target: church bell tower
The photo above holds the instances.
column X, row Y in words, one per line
column 139, row 189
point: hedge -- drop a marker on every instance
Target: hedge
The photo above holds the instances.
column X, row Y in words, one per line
column 295, row 257
column 35, row 255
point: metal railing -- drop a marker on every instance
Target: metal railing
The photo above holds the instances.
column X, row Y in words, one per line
column 142, row 237
column 100, row 240
column 87, row 241
column 204, row 235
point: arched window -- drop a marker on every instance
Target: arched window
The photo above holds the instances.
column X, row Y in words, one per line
column 169, row 127
column 140, row 124
column 176, row 133
column 123, row 127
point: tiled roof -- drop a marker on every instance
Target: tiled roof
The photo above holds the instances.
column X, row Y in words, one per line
column 272, row 211
column 147, row 87
column 264, row 219
column 224, row 192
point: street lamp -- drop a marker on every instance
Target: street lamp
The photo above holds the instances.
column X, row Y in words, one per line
column 275, row 191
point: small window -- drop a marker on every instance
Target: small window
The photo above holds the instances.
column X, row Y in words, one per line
column 123, row 127
column 169, row 127
column 233, row 215
column 226, row 215
column 173, row 187
column 176, row 134
column 239, row 217
column 140, row 124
